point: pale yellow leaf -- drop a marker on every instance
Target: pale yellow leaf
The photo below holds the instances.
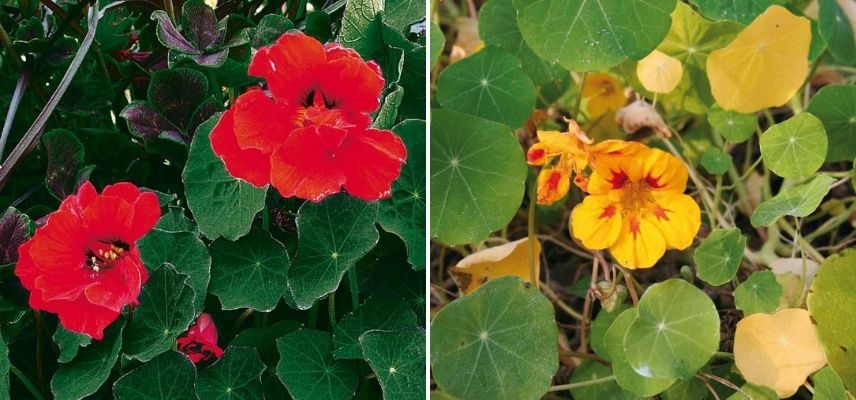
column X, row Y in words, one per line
column 764, row 66
column 508, row 259
column 659, row 72
column 778, row 351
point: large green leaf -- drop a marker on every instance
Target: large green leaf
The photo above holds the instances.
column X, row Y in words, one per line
column 836, row 31
column 165, row 311
column 404, row 213
column 5, row 366
column 221, row 204
column 599, row 327
column 797, row 201
column 400, row 14
column 477, row 177
column 498, row 27
column 795, row 148
column 168, row 376
column 69, row 343
column 387, row 313
column 828, row 385
column 498, row 342
column 398, row 360
column 249, row 273
column 489, row 84
column 309, row 371
column 334, row 234
column 758, row 294
column 604, row 389
column 626, row 377
column 182, row 250
column 235, row 376
column 676, row 333
column 83, row 376
column 742, row 11
column 359, row 31
column 718, row 257
column 835, row 105
column 831, row 304
column 592, row 35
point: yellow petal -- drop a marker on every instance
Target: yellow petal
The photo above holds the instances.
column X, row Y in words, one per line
column 612, row 161
column 508, row 259
column 604, row 93
column 663, row 171
column 659, row 72
column 764, row 66
column 553, row 183
column 640, row 244
column 778, row 351
column 678, row 218
column 537, row 154
column 596, row 222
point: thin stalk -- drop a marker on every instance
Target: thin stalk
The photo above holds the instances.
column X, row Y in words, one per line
column 27, row 382
column 170, row 9
column 533, row 277
column 579, row 101
column 352, row 285
column 558, row 301
column 631, row 286
column 575, row 385
column 717, row 194
column 241, row 318
column 17, row 96
column 7, row 43
column 331, row 309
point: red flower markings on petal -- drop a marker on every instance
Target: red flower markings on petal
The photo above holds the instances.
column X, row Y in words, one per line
column 309, row 136
column 199, row 343
column 83, row 264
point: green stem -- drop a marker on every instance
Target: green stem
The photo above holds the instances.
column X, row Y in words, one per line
column 533, row 276
column 352, row 284
column 170, row 9
column 266, row 219
column 576, row 113
column 331, row 309
column 717, row 194
column 27, row 382
column 575, row 385
column 241, row 318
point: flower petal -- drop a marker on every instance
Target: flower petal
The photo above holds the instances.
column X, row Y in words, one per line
column 371, row 160
column 82, row 316
column 291, row 66
column 553, row 183
column 677, row 217
column 261, row 122
column 146, row 215
column 351, row 83
column 60, row 244
column 596, row 222
column 250, row 165
column 304, row 165
column 640, row 244
column 117, row 286
column 663, row 171
column 108, row 218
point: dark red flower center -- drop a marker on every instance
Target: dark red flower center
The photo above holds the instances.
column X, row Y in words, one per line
column 104, row 254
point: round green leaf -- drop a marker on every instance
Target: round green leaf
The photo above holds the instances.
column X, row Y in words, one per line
column 828, row 385
column 758, row 294
column 755, row 391
column 676, row 333
column 498, row 27
column 165, row 311
column 404, row 213
column 718, row 257
column 627, row 378
column 742, row 11
column 333, row 235
column 309, row 371
column 182, row 250
column 688, row 389
column 249, row 273
column 438, row 42
column 795, row 148
column 235, row 376
column 398, row 360
column 715, row 161
column 733, row 126
column 221, row 204
column 477, row 177
column 831, row 304
column 835, row 105
column 168, row 376
column 599, row 327
column 387, row 313
column 797, row 201
column 594, row 35
column 400, row 14
column 836, row 31
column 498, row 342
column 607, row 390
column 174, row 220
column 489, row 84
column 83, row 375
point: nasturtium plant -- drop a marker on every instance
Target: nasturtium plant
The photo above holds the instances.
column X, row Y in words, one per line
column 210, row 199
column 687, row 166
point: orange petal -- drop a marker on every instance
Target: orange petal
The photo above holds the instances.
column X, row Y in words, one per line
column 553, row 183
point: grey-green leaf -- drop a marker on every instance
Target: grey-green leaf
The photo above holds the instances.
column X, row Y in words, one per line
column 797, row 201
column 168, row 376
column 733, row 126
column 498, row 342
column 836, row 31
column 249, row 273
column 398, row 360
column 235, row 376
column 89, row 370
column 625, row 376
column 221, row 204
column 758, row 294
column 334, row 234
column 387, row 313
column 718, row 257
column 182, row 250
column 795, row 148
column 309, row 371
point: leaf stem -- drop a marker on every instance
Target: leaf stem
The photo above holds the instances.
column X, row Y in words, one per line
column 170, row 9
column 533, row 277
column 575, row 385
column 26, row 381
column 331, row 309
column 17, row 96
column 352, row 285
column 7, row 43
column 580, row 96
column 240, row 320
column 631, row 286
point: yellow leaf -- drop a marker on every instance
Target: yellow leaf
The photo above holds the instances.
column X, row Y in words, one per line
column 778, row 351
column 508, row 259
column 659, row 72
column 764, row 66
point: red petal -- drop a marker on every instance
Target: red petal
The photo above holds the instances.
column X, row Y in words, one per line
column 109, row 218
column 83, row 317
column 250, row 165
column 146, row 215
column 118, row 286
column 304, row 166
column 262, row 123
column 125, row 190
column 351, row 83
column 76, row 203
column 60, row 244
column 371, row 160
column 26, row 269
column 291, row 66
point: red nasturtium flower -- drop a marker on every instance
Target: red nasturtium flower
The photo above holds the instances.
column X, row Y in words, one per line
column 308, row 134
column 83, row 264
column 200, row 341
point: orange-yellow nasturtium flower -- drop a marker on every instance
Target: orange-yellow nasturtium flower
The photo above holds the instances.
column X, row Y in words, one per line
column 604, row 93
column 636, row 206
column 560, row 154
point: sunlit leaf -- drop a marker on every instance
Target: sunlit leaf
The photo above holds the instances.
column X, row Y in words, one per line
column 742, row 11
column 835, row 105
column 398, row 360
column 733, row 126
column 626, row 377
column 758, row 294
column 837, row 32
column 828, row 385
column 797, row 201
column 795, row 148
column 718, row 257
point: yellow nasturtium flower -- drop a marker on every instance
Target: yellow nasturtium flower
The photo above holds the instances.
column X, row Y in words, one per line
column 560, row 154
column 636, row 205
column 604, row 93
